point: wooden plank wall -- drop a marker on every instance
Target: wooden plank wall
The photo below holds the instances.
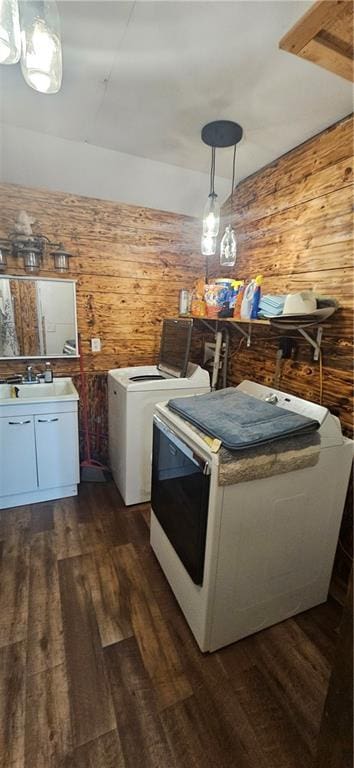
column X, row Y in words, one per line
column 294, row 225
column 129, row 263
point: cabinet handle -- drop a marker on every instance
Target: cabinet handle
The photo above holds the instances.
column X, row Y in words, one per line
column 47, row 421
column 20, row 422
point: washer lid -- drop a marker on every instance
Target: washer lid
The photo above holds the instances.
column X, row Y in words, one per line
column 175, row 347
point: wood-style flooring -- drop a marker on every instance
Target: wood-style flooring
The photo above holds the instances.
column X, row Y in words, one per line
column 98, row 668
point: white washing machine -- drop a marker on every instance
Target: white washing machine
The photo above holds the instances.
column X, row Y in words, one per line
column 242, row 557
column 132, row 395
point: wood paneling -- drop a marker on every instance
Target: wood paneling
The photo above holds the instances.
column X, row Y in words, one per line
column 130, row 264
column 294, row 225
column 151, row 700
column 324, row 35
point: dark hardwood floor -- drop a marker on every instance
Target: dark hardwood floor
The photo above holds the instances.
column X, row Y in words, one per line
column 98, row 668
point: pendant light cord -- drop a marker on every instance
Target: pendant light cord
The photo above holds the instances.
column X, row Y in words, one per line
column 233, row 183
column 212, row 173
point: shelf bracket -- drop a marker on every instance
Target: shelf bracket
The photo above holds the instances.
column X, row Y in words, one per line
column 315, row 343
column 211, row 328
column 245, row 334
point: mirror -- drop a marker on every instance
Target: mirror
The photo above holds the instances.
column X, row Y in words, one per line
column 37, row 318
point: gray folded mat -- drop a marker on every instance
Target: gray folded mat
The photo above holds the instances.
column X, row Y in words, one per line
column 240, row 421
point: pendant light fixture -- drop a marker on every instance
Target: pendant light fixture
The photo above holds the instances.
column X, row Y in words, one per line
column 211, row 215
column 41, row 58
column 10, row 36
column 219, row 133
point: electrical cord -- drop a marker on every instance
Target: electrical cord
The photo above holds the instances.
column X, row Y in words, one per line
column 320, row 366
column 344, row 550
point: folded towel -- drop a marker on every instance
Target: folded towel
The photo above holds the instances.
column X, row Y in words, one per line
column 240, row 421
column 270, row 305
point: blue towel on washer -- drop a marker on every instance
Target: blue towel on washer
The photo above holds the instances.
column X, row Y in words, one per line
column 240, row 421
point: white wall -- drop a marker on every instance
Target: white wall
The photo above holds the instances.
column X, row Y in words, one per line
column 39, row 160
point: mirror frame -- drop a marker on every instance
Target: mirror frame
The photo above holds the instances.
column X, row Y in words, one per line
column 46, row 357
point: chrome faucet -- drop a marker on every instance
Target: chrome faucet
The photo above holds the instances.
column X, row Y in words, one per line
column 30, row 377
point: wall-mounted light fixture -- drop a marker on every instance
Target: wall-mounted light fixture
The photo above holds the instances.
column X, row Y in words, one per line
column 30, row 30
column 24, row 243
column 219, row 133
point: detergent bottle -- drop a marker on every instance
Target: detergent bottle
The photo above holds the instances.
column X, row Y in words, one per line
column 249, row 298
column 247, row 301
column 238, row 300
column 256, row 297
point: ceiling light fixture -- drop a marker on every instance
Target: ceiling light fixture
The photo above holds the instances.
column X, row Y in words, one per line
column 10, row 36
column 41, row 58
column 219, row 133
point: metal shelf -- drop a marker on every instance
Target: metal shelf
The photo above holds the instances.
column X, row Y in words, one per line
column 213, row 324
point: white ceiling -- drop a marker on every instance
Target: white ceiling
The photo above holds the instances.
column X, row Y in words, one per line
column 142, row 78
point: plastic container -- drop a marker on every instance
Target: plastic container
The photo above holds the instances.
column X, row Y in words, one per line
column 48, row 373
column 183, row 301
column 238, row 302
column 247, row 301
column 198, row 308
column 257, row 297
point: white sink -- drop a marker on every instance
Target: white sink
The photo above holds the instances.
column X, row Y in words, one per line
column 60, row 389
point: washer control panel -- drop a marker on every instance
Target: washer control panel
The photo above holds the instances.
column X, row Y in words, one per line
column 283, row 400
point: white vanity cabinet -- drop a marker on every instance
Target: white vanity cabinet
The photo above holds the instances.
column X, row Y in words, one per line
column 39, row 451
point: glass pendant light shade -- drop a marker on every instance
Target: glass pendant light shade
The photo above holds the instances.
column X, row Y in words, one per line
column 31, row 259
column 41, row 59
column 10, row 36
column 228, row 248
column 4, row 250
column 61, row 259
column 211, row 216
column 208, row 245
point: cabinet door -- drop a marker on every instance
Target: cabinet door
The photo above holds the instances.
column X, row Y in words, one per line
column 57, row 449
column 18, row 471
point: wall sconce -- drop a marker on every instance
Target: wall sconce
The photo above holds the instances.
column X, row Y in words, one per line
column 23, row 243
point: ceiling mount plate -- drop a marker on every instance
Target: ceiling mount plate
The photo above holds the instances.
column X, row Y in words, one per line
column 222, row 133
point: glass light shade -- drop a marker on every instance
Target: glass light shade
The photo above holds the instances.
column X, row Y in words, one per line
column 10, row 35
column 31, row 260
column 61, row 260
column 41, row 59
column 3, row 257
column 228, row 248
column 211, row 216
column 208, row 245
